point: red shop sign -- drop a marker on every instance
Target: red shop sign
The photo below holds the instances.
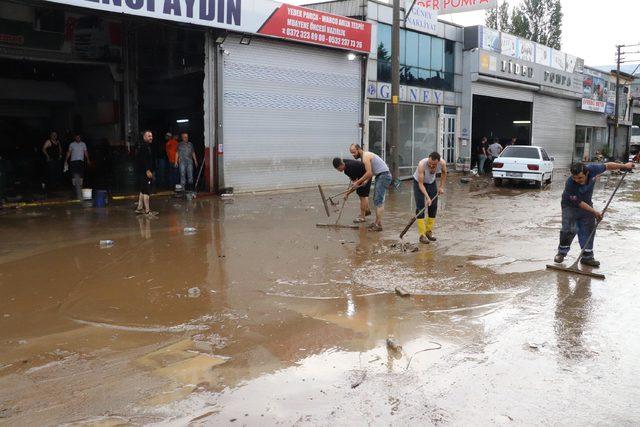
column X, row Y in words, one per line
column 311, row 26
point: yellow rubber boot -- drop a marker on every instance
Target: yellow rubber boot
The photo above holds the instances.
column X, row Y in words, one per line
column 430, row 222
column 422, row 230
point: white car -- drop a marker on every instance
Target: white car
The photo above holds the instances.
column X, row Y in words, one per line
column 523, row 163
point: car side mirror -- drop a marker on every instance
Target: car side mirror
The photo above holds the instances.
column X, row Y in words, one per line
column 552, row 158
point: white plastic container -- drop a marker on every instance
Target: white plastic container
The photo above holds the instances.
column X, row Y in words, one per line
column 86, row 193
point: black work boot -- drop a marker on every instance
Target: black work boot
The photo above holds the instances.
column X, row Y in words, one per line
column 592, row 262
column 558, row 259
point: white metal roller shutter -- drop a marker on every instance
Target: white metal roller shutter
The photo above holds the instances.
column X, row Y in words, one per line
column 496, row 91
column 288, row 109
column 554, row 127
column 593, row 119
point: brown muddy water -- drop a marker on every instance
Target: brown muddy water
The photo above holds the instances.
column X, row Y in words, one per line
column 259, row 317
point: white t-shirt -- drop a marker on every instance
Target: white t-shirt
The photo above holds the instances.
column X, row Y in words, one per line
column 77, row 150
column 495, row 149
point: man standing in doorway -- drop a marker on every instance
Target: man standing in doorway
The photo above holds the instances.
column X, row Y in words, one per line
column 355, row 170
column 145, row 167
column 578, row 213
column 513, row 141
column 77, row 154
column 494, row 150
column 171, row 148
column 375, row 167
column 52, row 150
column 482, row 155
column 425, row 191
column 186, row 159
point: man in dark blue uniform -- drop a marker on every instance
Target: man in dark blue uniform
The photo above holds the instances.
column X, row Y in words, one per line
column 578, row 213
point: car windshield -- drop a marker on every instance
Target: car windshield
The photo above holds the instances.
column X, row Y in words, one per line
column 521, row 152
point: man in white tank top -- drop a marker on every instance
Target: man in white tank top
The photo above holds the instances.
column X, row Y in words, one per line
column 425, row 190
column 375, row 167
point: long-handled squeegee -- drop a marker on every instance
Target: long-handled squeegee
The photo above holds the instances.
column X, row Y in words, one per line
column 330, row 198
column 415, row 217
column 574, row 267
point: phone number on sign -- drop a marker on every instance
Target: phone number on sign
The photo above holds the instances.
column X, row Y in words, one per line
column 339, row 41
column 309, row 35
column 303, row 35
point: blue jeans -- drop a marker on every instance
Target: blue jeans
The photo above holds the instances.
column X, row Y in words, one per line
column 577, row 221
column 432, row 191
column 174, row 175
column 186, row 173
column 382, row 183
column 481, row 161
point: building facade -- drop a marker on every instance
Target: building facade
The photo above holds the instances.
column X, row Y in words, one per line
column 515, row 88
column 430, row 84
column 269, row 92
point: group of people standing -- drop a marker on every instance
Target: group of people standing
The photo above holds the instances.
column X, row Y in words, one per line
column 368, row 165
column 487, row 153
column 181, row 156
column 75, row 161
column 182, row 163
column 182, row 160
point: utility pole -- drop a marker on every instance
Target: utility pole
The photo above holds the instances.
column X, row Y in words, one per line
column 623, row 55
column 615, row 129
column 394, row 111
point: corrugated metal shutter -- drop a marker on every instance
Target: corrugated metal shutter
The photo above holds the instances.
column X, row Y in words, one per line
column 589, row 118
column 288, row 109
column 554, row 127
column 497, row 91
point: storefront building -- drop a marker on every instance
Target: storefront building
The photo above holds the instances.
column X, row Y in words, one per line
column 268, row 92
column 591, row 118
column 430, row 83
column 515, row 88
column 619, row 138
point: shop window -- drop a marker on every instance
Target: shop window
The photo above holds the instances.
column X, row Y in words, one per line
column 412, row 49
column 376, row 109
column 384, row 42
column 425, row 132
column 405, row 137
column 449, row 56
column 384, row 71
column 437, row 54
column 424, row 60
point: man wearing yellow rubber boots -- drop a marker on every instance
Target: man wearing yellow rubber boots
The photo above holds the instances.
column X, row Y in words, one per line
column 425, row 191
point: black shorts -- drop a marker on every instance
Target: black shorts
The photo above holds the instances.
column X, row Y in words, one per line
column 77, row 167
column 364, row 190
column 146, row 185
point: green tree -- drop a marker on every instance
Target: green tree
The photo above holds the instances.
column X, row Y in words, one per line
column 554, row 30
column 537, row 20
column 503, row 17
column 498, row 17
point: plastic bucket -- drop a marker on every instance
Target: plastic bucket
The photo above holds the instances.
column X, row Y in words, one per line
column 100, row 198
column 86, row 193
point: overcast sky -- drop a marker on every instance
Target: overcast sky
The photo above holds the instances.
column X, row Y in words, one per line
column 591, row 28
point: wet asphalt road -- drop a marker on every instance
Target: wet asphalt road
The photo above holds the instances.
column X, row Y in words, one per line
column 262, row 318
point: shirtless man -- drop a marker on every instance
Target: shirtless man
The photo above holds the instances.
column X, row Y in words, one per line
column 374, row 167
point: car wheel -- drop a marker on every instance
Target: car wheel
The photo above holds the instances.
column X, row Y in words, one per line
column 497, row 182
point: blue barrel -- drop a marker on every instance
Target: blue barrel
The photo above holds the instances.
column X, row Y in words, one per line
column 100, row 198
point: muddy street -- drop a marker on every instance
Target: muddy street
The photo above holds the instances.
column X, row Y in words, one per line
column 260, row 317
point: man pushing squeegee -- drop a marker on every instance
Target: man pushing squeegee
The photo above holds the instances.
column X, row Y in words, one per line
column 579, row 216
